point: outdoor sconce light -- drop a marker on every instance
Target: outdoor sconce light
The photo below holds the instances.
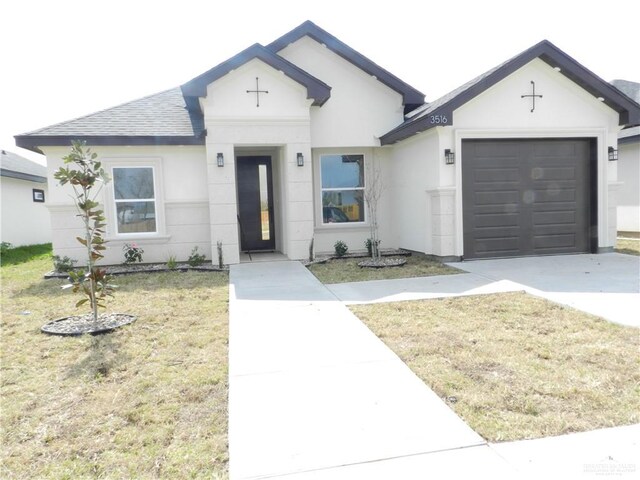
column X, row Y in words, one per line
column 613, row 154
column 300, row 159
column 220, row 158
column 449, row 156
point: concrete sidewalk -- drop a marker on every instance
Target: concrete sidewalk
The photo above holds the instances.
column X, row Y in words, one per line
column 313, row 392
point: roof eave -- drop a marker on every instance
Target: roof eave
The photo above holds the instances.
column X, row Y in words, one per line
column 22, row 176
column 36, row 142
column 410, row 95
column 317, row 90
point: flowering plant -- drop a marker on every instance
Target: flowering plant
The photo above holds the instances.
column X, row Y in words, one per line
column 132, row 253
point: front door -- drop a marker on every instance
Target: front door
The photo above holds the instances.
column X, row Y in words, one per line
column 255, row 203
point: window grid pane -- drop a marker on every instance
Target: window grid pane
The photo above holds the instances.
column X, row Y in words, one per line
column 134, row 198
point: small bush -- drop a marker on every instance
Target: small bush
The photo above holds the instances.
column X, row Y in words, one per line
column 5, row 247
column 63, row 264
column 340, row 248
column 196, row 259
column 172, row 263
column 369, row 245
column 132, row 253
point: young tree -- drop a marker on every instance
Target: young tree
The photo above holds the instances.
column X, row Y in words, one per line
column 372, row 194
column 87, row 177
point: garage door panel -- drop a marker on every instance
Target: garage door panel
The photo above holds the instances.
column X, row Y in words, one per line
column 525, row 197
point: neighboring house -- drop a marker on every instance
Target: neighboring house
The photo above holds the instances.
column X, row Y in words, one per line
column 629, row 167
column 283, row 139
column 23, row 190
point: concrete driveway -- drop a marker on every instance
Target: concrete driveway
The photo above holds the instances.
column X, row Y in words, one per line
column 607, row 285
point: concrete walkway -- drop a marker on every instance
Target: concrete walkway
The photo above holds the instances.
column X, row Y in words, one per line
column 313, row 392
column 607, row 285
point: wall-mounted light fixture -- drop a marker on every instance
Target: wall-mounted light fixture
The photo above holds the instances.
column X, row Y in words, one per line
column 220, row 158
column 613, row 154
column 449, row 156
column 300, row 159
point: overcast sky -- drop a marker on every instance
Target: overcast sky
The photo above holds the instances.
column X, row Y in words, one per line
column 66, row 58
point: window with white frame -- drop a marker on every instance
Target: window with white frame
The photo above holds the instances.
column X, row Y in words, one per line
column 342, row 182
column 135, row 200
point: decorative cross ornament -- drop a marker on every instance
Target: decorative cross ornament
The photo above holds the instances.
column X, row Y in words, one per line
column 532, row 95
column 257, row 91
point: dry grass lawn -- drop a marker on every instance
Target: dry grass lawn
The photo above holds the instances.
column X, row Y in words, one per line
column 630, row 246
column 147, row 401
column 342, row 270
column 515, row 366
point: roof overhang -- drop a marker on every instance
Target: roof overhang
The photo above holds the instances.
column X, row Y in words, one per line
column 22, row 176
column 34, row 142
column 412, row 98
column 628, row 110
column 197, row 87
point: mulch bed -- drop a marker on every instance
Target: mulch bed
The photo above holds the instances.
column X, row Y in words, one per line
column 382, row 262
column 147, row 268
column 384, row 252
column 81, row 324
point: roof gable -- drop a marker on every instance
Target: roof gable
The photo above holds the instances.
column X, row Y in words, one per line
column 420, row 119
column 411, row 97
column 197, row 87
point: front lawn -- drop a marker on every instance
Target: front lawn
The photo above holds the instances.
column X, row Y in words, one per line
column 341, row 270
column 630, row 246
column 514, row 366
column 147, row 401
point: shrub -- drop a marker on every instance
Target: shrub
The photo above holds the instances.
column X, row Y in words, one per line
column 196, row 259
column 4, row 247
column 369, row 244
column 63, row 264
column 340, row 248
column 172, row 263
column 132, row 253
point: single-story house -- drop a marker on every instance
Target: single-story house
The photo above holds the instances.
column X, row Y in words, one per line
column 629, row 167
column 23, row 187
column 277, row 146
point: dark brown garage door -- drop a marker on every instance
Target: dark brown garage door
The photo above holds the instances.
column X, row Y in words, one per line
column 525, row 197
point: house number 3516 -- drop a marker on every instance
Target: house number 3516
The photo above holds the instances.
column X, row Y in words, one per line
column 438, row 119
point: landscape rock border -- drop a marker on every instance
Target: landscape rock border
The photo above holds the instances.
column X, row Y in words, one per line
column 81, row 324
column 382, row 262
column 146, row 268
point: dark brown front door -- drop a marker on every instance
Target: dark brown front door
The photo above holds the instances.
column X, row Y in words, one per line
column 526, row 197
column 255, row 203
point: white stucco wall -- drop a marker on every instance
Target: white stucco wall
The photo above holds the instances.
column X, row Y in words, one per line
column 629, row 190
column 360, row 109
column 24, row 222
column 182, row 209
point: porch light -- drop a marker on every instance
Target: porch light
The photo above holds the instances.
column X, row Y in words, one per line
column 220, row 158
column 449, row 156
column 613, row 154
column 300, row 159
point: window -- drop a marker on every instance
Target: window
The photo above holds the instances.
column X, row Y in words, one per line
column 342, row 188
column 134, row 195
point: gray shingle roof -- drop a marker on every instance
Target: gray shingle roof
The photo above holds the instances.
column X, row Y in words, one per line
column 15, row 166
column 630, row 89
column 158, row 115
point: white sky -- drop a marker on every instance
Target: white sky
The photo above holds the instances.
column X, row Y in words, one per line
column 61, row 59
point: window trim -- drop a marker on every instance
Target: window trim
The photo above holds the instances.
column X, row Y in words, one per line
column 358, row 223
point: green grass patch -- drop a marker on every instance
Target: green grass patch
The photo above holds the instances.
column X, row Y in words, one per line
column 514, row 366
column 342, row 270
column 146, row 401
column 629, row 246
column 16, row 255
